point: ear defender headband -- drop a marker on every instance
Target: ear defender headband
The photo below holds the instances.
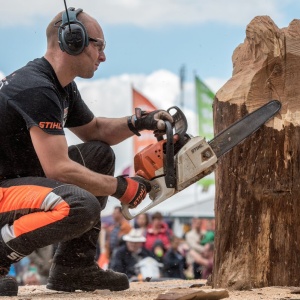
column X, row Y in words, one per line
column 72, row 35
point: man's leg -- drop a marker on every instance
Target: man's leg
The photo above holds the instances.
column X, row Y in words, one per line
column 98, row 157
column 74, row 266
column 36, row 212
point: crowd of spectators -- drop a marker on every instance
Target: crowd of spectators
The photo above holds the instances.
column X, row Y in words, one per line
column 144, row 249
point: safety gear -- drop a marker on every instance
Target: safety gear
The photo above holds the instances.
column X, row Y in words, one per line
column 154, row 120
column 8, row 284
column 132, row 190
column 87, row 278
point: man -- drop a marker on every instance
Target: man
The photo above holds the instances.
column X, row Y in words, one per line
column 50, row 193
column 120, row 227
column 126, row 257
column 174, row 261
column 158, row 236
column 206, row 259
column 193, row 239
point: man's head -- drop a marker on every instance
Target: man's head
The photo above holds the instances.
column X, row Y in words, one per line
column 175, row 242
column 134, row 240
column 117, row 214
column 197, row 224
column 157, row 220
column 79, row 39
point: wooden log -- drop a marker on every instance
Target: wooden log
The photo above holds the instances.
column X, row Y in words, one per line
column 258, row 183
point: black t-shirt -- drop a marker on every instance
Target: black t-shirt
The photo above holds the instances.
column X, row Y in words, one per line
column 33, row 96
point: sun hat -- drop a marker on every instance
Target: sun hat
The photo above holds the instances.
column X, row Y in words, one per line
column 135, row 235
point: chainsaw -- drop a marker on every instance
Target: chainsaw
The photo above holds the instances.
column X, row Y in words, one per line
column 179, row 160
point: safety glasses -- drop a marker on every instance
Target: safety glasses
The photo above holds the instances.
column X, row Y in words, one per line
column 99, row 43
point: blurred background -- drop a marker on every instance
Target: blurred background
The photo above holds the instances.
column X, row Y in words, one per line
column 155, row 47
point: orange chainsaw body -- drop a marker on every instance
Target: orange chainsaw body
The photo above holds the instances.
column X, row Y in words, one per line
column 148, row 161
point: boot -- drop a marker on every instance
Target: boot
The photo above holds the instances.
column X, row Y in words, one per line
column 69, row 279
column 8, row 284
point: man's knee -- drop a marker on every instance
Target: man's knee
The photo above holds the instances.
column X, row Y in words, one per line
column 95, row 155
column 84, row 207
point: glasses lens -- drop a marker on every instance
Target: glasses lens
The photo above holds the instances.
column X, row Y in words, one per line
column 99, row 43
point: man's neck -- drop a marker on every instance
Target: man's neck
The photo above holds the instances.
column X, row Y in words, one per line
column 61, row 67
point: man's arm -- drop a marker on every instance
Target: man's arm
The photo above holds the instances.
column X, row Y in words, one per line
column 193, row 241
column 115, row 130
column 109, row 130
column 52, row 151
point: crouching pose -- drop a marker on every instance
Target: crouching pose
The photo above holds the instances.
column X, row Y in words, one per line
column 51, row 193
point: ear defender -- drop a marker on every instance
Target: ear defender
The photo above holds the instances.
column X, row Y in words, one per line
column 72, row 35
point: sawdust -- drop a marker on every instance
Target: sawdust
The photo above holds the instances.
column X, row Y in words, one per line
column 151, row 290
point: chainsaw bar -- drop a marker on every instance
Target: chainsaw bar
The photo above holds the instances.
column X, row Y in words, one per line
column 238, row 131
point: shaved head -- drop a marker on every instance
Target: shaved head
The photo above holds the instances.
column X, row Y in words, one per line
column 52, row 29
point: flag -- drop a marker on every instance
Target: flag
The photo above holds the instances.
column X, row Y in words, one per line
column 204, row 101
column 147, row 136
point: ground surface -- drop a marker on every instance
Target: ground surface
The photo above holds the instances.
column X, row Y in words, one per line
column 151, row 290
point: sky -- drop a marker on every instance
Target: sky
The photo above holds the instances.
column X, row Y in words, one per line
column 148, row 42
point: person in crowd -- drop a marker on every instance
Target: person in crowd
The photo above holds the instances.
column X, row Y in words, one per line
column 208, row 237
column 115, row 234
column 51, row 193
column 158, row 236
column 126, row 257
column 31, row 276
column 174, row 261
column 42, row 259
column 206, row 259
column 142, row 222
column 193, row 239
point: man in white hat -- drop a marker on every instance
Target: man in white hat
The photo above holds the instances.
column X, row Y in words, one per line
column 127, row 256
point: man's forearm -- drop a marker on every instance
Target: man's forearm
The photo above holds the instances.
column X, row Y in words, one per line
column 74, row 173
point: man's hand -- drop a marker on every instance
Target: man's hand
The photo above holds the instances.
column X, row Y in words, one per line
column 154, row 120
column 132, row 190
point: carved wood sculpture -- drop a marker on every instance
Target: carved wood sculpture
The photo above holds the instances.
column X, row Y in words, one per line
column 258, row 183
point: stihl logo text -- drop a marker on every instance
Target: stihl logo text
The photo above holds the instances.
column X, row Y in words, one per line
column 196, row 148
column 50, row 125
column 15, row 256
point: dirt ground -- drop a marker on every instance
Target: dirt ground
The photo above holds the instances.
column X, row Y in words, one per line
column 151, row 290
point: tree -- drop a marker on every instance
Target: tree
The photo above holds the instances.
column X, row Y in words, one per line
column 258, row 183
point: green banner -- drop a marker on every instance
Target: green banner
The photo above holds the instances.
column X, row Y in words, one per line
column 204, row 100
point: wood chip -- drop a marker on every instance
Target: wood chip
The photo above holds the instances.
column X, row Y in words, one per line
column 193, row 294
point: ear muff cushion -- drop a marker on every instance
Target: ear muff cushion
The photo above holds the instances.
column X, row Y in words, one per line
column 73, row 42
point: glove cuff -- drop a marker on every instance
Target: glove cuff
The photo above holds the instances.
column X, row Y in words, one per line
column 126, row 189
column 131, row 127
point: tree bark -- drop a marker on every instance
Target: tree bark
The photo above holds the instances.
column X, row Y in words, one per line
column 257, row 207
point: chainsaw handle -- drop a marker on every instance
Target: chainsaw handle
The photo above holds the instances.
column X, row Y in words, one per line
column 159, row 193
column 179, row 122
column 169, row 166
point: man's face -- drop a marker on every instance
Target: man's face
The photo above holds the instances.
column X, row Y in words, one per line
column 117, row 215
column 198, row 224
column 157, row 223
column 134, row 246
column 93, row 55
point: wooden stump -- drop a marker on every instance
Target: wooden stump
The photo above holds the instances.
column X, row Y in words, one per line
column 258, row 183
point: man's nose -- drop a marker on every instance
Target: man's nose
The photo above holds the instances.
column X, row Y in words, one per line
column 102, row 56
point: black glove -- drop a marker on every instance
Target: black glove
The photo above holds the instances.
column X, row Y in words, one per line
column 132, row 190
column 151, row 120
